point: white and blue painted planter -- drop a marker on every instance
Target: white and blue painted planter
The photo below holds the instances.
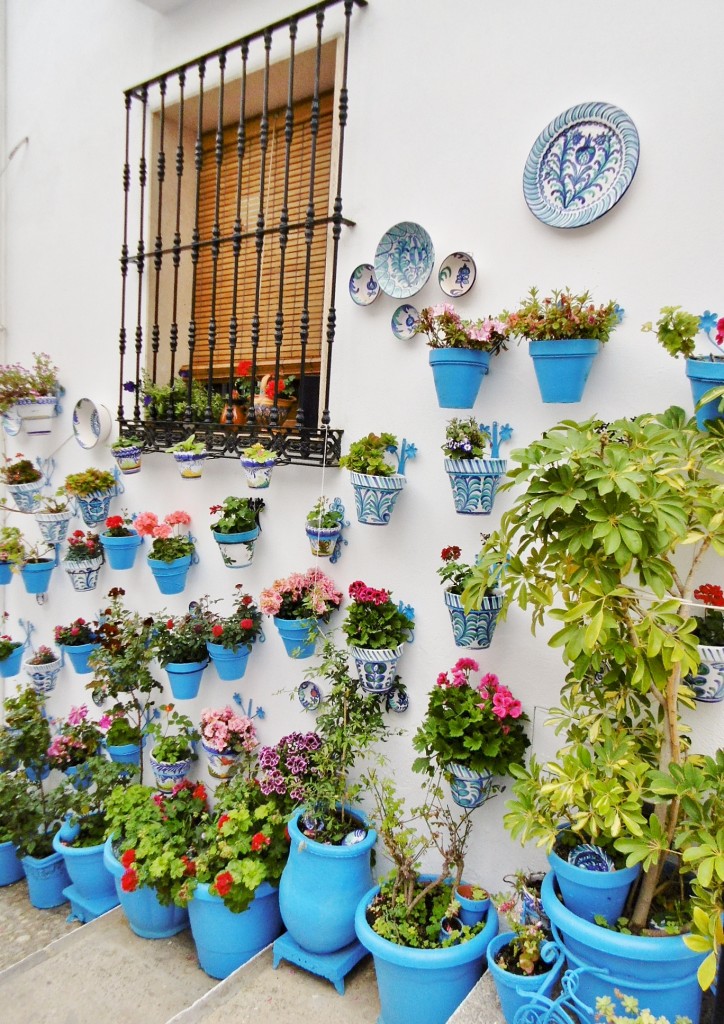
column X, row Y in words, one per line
column 94, row 508
column 190, row 464
column 258, row 474
column 562, row 367
column 474, row 629
column 375, row 496
column 128, row 459
column 220, row 763
column 376, row 669
column 708, row 683
column 121, row 551
column 37, row 414
column 53, row 526
column 24, row 494
column 474, row 483
column 83, row 574
column 237, row 549
column 469, row 788
column 168, row 773
column 44, row 677
column 322, row 540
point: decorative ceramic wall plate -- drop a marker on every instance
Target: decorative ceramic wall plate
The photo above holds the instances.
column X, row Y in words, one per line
column 91, row 423
column 404, row 321
column 309, row 694
column 457, row 273
column 404, row 259
column 363, row 286
column 581, row 165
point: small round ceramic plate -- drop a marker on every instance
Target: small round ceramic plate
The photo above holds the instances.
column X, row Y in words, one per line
column 591, row 858
column 91, row 423
column 309, row 694
column 404, row 321
column 363, row 286
column 404, row 259
column 457, row 273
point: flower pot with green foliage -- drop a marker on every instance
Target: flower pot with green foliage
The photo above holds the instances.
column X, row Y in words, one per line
column 376, row 630
column 83, row 560
column 323, row 526
column 53, row 514
column 31, row 394
column 237, row 529
column 231, row 638
column 173, row 752
column 180, row 647
column 474, row 628
column 23, row 481
column 298, row 603
column 120, row 542
column 127, row 451
column 93, row 489
column 258, row 463
column 11, row 656
column 474, row 479
column 225, row 737
column 13, row 552
column 42, row 668
column 189, row 456
column 172, row 552
column 377, row 483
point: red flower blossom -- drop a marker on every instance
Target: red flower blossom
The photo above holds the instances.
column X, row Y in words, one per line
column 222, row 820
column 217, row 630
column 127, row 858
column 243, row 368
column 189, row 865
column 114, row 522
column 129, row 882
column 451, row 553
column 224, row 882
column 247, row 623
column 246, row 599
column 199, row 792
column 169, row 624
column 259, row 841
column 711, row 594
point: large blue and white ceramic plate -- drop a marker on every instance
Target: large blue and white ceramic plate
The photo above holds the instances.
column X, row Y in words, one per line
column 457, row 273
column 581, row 165
column 404, row 321
column 363, row 286
column 404, row 259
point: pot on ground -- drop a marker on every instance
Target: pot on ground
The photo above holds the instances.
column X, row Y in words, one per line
column 146, row 916
column 225, row 940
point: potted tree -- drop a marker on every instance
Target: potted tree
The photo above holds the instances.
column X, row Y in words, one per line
column 460, row 352
column 377, row 483
column 179, row 643
column 376, row 629
column 565, row 332
column 475, row 628
column 83, row 559
column 172, row 552
column 172, row 752
column 231, row 638
column 93, row 488
column 23, row 481
column 298, row 603
column 31, row 394
column 677, row 331
column 601, row 561
column 236, row 530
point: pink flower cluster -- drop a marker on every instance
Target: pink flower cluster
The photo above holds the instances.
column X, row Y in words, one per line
column 460, row 673
column 312, row 590
column 485, row 329
column 222, row 729
column 363, row 594
column 496, row 697
column 147, row 524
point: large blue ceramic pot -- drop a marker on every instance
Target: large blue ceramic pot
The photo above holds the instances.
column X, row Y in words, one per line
column 422, row 986
column 11, row 867
column 224, row 940
column 658, row 971
column 562, row 367
column 47, row 878
column 146, row 916
column 320, row 888
column 93, row 889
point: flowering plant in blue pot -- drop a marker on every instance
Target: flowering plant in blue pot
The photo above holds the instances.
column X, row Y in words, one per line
column 230, row 638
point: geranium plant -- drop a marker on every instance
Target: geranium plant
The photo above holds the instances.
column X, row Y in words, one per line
column 280, row 387
column 83, row 547
column 223, row 730
column 12, row 545
column 89, row 481
column 676, row 330
column 368, row 455
column 77, row 634
column 444, row 328
column 311, row 594
column 465, row 439
column 285, row 768
column 20, row 471
column 119, row 729
column 7, row 644
column 44, row 655
column 709, row 628
column 374, row 621
column 18, row 382
column 236, row 515
column 172, row 746
column 168, row 542
column 522, row 955
column 562, row 315
column 180, row 638
column 77, row 738
column 477, row 726
column 241, row 628
column 119, row 526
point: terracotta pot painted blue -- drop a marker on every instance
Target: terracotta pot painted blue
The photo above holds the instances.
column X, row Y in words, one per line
column 230, row 664
column 10, row 666
column 145, row 915
column 562, row 367
column 124, row 753
column 375, row 496
column 47, row 877
column 237, row 549
column 185, row 678
column 224, row 940
column 658, row 971
column 422, row 986
column 320, row 888
column 472, row 911
column 6, row 573
column 704, row 375
column 474, row 483
column 458, row 374
column 78, row 656
column 95, row 507
column 121, row 551
column 88, row 873
column 36, row 575
column 299, row 636
column 589, row 893
column 474, row 629
column 11, row 867
column 170, row 576
column 515, row 990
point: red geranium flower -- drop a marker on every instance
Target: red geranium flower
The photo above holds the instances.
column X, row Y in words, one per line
column 224, row 882
column 169, row 624
column 259, row 841
column 222, row 820
column 128, row 858
column 217, row 630
column 189, row 865
column 199, row 792
column 129, row 882
column 247, row 623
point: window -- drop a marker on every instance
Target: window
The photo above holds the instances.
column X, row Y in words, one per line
column 237, row 202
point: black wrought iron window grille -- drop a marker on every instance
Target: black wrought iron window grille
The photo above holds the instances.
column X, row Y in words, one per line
column 233, row 178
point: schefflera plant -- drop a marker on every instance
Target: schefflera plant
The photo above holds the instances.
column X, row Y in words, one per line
column 606, row 537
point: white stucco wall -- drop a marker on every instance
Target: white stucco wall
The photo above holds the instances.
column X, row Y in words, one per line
column 445, row 103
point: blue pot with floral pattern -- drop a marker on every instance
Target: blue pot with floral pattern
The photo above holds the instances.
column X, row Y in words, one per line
column 376, row 669
column 43, row 677
column 169, row 773
column 708, row 683
column 474, row 483
column 24, row 494
column 95, row 507
column 375, row 496
column 469, row 788
column 237, row 549
column 474, row 629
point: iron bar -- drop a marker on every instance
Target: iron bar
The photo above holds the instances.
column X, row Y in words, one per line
column 124, row 258
column 158, row 245
column 198, row 164
column 142, row 179
column 237, row 234
column 215, row 234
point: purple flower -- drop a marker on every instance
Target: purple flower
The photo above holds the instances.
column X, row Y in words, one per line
column 129, row 386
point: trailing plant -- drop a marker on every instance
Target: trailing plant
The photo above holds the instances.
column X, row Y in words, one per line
column 238, row 515
column 175, row 746
column 18, row 382
column 311, row 594
column 168, row 543
column 562, row 315
column 89, row 481
column 21, row 471
column 374, row 621
column 240, row 629
column 465, row 439
column 368, row 455
column 444, row 328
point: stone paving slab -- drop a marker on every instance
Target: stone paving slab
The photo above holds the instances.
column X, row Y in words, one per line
column 23, row 929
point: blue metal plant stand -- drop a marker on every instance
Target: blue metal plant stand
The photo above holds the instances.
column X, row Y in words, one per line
column 84, row 909
column 332, row 966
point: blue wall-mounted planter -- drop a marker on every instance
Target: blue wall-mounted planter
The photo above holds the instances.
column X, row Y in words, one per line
column 458, row 374
column 562, row 367
column 704, row 374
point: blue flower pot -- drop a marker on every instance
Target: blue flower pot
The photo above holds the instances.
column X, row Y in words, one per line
column 458, row 374
column 658, row 971
column 121, row 551
column 36, row 575
column 230, row 664
column 78, row 656
column 422, row 986
column 299, row 636
column 590, row 893
column 11, row 867
column 47, row 877
column 145, row 915
column 224, row 940
column 95, row 507
column 89, row 875
column 375, row 496
column 474, row 483
column 170, row 576
column 237, row 549
column 185, row 678
column 10, row 666
column 515, row 990
column 703, row 376
column 708, row 683
column 320, row 888
column 6, row 573
column 474, row 629
column 562, row 367
column 77, row 781
column 472, row 911
column 124, row 753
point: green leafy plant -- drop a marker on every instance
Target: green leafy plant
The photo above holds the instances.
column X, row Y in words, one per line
column 322, row 516
column 96, row 781
column 629, row 1012
column 240, row 629
column 51, row 504
column 676, row 330
column 175, row 746
column 26, row 737
column 562, row 315
column 465, row 439
column 444, row 328
column 456, row 575
column 18, row 382
column 189, row 444
column 180, row 638
column 128, row 442
column 374, row 621
column 258, row 453
column 368, row 455
column 12, row 545
column 237, row 515
column 22, row 471
column 89, row 481
column 170, row 401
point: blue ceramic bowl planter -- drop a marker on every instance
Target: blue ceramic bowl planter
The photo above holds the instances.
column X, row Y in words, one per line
column 145, row 915
column 562, row 367
column 225, row 940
